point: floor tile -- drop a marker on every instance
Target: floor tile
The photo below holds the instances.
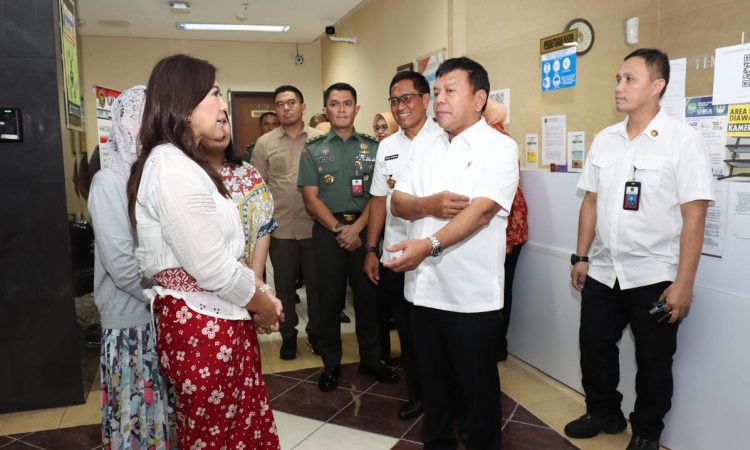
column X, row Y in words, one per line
column 26, row 421
column 414, row 431
column 303, row 374
column 519, row 436
column 276, row 385
column 351, row 378
column 522, row 415
column 84, row 437
column 3, row 420
column 306, row 400
column 406, row 445
column 5, row 440
column 294, row 429
column 507, row 406
column 557, row 413
column 282, row 365
column 525, row 388
column 18, row 445
column 374, row 414
column 397, row 390
column 335, row 437
column 87, row 414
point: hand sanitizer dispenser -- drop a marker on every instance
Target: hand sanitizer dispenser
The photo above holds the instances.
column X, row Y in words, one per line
column 11, row 127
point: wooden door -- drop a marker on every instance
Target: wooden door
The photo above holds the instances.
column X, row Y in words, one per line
column 247, row 108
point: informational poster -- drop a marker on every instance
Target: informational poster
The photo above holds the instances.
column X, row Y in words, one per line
column 532, row 151
column 732, row 74
column 104, row 98
column 739, row 205
column 73, row 109
column 553, row 139
column 673, row 101
column 716, row 222
column 576, row 150
column 711, row 122
column 738, row 124
column 427, row 66
column 502, row 96
column 559, row 69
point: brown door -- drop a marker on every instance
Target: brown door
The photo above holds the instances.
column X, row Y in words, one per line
column 246, row 110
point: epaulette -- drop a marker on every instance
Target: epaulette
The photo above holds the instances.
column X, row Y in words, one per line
column 367, row 136
column 315, row 138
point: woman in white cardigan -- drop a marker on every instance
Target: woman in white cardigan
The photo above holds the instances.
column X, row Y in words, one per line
column 190, row 241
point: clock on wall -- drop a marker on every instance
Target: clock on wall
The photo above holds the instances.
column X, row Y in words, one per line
column 585, row 35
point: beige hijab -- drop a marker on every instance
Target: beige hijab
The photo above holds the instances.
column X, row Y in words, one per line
column 495, row 112
column 388, row 117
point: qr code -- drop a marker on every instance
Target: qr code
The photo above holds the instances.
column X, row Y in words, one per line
column 746, row 72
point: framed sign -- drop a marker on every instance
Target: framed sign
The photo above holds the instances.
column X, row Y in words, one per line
column 72, row 83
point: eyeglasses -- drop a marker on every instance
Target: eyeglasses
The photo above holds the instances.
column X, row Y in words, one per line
column 290, row 103
column 404, row 99
column 380, row 128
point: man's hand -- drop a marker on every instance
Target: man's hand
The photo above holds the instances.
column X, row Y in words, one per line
column 578, row 275
column 348, row 237
column 414, row 252
column 678, row 297
column 445, row 205
column 371, row 267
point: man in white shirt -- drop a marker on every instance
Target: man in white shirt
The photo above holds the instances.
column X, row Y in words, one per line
column 640, row 231
column 409, row 98
column 457, row 192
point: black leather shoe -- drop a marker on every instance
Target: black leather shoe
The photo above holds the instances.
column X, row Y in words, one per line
column 379, row 372
column 641, row 443
column 588, row 426
column 288, row 348
column 329, row 380
column 410, row 410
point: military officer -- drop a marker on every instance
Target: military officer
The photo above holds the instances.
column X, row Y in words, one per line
column 335, row 175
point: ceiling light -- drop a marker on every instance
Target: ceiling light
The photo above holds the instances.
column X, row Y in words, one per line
column 178, row 7
column 113, row 23
column 231, row 27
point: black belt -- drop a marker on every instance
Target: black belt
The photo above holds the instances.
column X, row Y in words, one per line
column 347, row 218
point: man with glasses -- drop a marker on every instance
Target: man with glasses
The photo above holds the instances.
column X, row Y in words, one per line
column 276, row 157
column 457, row 192
column 335, row 176
column 410, row 96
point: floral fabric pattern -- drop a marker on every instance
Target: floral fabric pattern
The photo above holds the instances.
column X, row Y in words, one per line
column 254, row 202
column 136, row 412
column 215, row 365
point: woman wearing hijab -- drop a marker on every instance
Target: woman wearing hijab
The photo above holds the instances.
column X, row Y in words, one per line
column 384, row 125
column 190, row 241
column 134, row 402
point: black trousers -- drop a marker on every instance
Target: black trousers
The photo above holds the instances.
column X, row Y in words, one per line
column 391, row 288
column 605, row 312
column 287, row 255
column 334, row 267
column 511, row 261
column 457, row 362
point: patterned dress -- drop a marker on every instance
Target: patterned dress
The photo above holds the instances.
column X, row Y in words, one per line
column 215, row 363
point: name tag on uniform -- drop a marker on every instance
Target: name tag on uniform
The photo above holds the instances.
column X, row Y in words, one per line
column 388, row 158
column 632, row 196
column 324, row 159
column 358, row 189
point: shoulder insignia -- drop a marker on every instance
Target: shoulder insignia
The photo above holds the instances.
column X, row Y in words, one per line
column 367, row 136
column 315, row 138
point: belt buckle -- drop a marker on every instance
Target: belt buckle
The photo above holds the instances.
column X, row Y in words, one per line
column 349, row 218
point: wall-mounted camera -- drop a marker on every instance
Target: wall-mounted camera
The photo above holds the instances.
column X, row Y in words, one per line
column 331, row 32
column 299, row 60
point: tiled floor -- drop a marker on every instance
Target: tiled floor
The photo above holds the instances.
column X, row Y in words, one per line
column 360, row 414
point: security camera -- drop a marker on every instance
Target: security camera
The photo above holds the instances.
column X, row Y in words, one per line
column 298, row 60
column 330, row 30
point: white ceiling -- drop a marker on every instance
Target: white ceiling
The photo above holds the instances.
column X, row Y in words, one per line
column 152, row 18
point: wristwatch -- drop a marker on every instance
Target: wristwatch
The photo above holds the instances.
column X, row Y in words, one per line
column 575, row 259
column 437, row 247
column 369, row 249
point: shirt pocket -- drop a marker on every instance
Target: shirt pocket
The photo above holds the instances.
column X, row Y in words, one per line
column 605, row 165
column 329, row 177
column 649, row 170
column 278, row 166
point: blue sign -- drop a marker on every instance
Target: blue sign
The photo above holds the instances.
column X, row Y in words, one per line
column 703, row 107
column 559, row 69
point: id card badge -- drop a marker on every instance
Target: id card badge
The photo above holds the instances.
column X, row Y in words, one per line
column 358, row 189
column 632, row 196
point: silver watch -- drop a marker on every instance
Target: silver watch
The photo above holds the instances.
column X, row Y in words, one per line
column 437, row 247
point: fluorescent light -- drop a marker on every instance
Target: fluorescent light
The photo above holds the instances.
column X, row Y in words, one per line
column 231, row 27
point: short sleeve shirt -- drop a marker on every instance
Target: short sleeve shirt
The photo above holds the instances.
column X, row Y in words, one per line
column 670, row 160
column 480, row 162
column 332, row 164
column 391, row 161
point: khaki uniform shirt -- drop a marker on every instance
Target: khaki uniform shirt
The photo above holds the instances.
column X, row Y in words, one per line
column 276, row 156
column 331, row 163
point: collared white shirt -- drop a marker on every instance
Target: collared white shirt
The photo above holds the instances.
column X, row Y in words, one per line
column 392, row 159
column 480, row 162
column 670, row 160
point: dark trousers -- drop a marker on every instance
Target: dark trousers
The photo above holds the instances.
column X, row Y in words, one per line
column 385, row 312
column 511, row 260
column 287, row 255
column 334, row 267
column 391, row 287
column 457, row 362
column 604, row 314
